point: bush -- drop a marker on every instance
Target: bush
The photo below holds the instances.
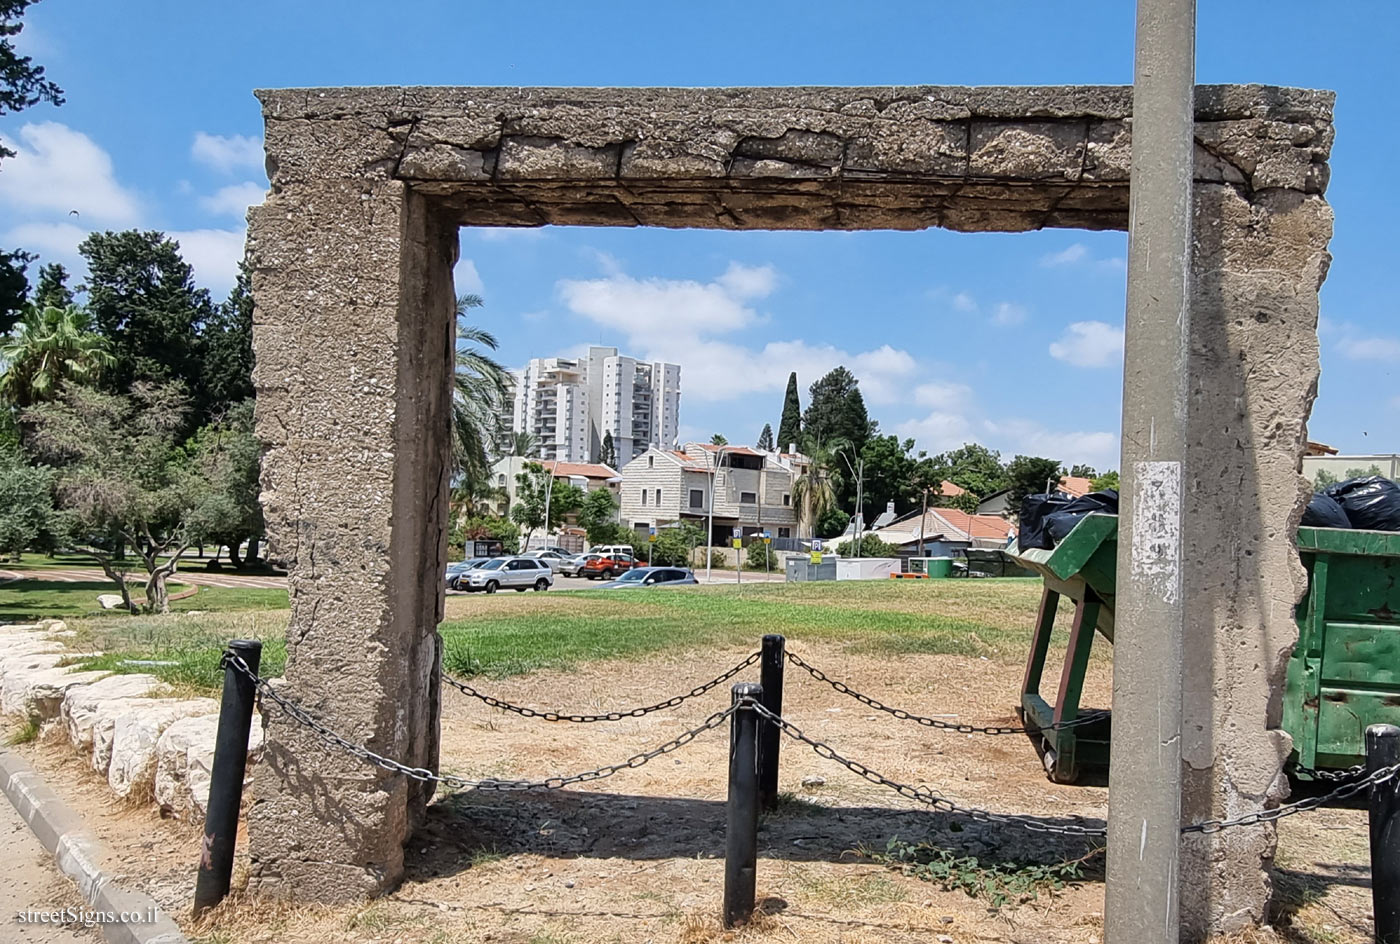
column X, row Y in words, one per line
column 760, row 556
column 832, row 522
column 870, row 546
column 673, row 546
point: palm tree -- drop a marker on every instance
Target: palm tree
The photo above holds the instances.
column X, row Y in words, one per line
column 478, row 394
column 814, row 491
column 50, row 347
column 525, row 445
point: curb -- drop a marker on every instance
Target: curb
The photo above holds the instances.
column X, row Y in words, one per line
column 79, row 855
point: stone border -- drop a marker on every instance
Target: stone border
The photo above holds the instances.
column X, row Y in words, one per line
column 79, row 853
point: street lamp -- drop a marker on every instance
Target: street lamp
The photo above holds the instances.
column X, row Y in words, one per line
column 859, row 472
column 710, row 536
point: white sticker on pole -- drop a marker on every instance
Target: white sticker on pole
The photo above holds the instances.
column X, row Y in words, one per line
column 1156, row 551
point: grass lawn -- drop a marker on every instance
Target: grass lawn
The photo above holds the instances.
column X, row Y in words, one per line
column 512, row 633
column 27, row 600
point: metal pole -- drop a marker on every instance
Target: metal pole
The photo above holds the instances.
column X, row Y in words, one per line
column 710, row 537
column 769, row 737
column 548, row 491
column 1144, row 816
column 226, row 778
column 1383, row 750
column 741, row 835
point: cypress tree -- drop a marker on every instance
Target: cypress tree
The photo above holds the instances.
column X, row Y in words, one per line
column 790, row 427
column 765, row 438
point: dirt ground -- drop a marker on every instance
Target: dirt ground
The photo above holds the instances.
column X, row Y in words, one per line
column 638, row 857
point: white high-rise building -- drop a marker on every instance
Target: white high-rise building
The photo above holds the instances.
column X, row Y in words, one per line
column 570, row 405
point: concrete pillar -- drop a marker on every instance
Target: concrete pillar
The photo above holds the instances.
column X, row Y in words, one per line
column 353, row 340
column 1258, row 261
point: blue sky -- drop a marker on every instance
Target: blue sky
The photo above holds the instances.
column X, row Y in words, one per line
column 1011, row 340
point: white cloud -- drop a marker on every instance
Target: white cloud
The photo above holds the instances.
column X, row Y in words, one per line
column 1089, row 344
column 1029, row 438
column 1370, row 349
column 939, row 431
column 227, row 153
column 749, row 281
column 502, row 234
column 54, row 242
column 1071, row 254
column 466, row 279
column 58, row 170
column 964, row 302
column 1008, row 313
column 940, row 394
column 659, row 311
column 214, row 254
column 234, row 200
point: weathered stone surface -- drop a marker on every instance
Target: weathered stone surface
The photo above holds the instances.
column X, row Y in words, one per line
column 367, row 186
column 184, row 759
column 109, row 601
column 136, row 728
column 37, row 693
column 78, row 711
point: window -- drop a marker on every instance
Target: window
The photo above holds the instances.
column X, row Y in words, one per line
column 748, row 498
column 784, row 532
column 697, row 498
column 644, row 496
column 658, row 496
column 651, row 462
column 787, row 500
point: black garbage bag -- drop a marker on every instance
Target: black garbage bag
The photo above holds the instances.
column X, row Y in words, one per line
column 1060, row 523
column 1371, row 503
column 1034, row 510
column 1324, row 512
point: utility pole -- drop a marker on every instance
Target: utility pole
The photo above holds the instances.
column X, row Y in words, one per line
column 710, row 536
column 1144, row 798
column 858, row 470
column 548, row 491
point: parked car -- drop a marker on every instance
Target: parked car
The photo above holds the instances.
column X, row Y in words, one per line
column 610, row 549
column 652, row 577
column 554, row 559
column 561, row 551
column 457, row 569
column 609, row 565
column 513, row 573
column 573, row 567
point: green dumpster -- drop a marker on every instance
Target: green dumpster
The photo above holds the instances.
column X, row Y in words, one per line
column 939, row 567
column 1344, row 673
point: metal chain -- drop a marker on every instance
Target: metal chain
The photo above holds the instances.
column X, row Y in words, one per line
column 903, row 715
column 1337, row 776
column 672, row 702
column 920, row 794
column 1302, row 806
column 304, row 717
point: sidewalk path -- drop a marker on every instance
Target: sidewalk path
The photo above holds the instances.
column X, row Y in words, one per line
column 33, row 883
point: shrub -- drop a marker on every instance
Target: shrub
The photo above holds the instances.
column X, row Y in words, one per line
column 760, row 556
column 870, row 546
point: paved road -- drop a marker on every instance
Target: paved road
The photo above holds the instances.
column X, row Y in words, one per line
column 197, row 577
column 33, row 883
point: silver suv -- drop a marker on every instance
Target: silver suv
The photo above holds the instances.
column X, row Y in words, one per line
column 514, row 573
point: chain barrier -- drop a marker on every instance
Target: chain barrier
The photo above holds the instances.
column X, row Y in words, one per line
column 671, row 702
column 903, row 715
column 304, row 717
column 1343, row 792
column 1337, row 776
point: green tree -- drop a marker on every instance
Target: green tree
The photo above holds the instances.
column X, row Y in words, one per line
column 836, row 412
column 814, row 490
column 1083, row 472
column 760, row 556
column 892, row 474
column 52, row 289
column 482, row 528
column 14, row 286
column 1358, row 472
column 143, row 300
column 790, row 425
column 228, row 346
column 478, row 392
column 608, row 455
column 27, row 513
column 718, row 440
column 227, row 458
column 765, row 438
column 675, row 545
column 122, row 477
column 22, row 83
column 1030, row 475
column 1107, row 480
column 1324, row 479
column 597, row 515
column 533, row 493
column 51, row 347
column 831, row 523
column 870, row 546
column 524, row 445
column 972, row 467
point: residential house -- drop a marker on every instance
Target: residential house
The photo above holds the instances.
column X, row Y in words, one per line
column 752, row 489
column 586, row 475
column 999, row 503
column 940, row 532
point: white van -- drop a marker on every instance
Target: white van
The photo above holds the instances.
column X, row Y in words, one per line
column 608, row 550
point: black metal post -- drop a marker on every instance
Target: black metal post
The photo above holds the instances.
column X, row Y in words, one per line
column 741, row 836
column 769, row 737
column 226, row 778
column 1383, row 750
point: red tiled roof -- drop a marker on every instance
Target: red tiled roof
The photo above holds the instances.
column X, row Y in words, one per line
column 1075, row 486
column 989, row 527
column 589, row 470
column 948, row 490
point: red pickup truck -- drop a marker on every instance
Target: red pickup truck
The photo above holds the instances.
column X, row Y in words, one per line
column 609, row 566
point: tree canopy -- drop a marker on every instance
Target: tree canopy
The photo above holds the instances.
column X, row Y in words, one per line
column 765, row 438
column 22, row 83
column 790, row 424
column 1030, row 475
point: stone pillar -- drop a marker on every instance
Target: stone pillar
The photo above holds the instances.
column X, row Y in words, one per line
column 353, row 335
column 1259, row 259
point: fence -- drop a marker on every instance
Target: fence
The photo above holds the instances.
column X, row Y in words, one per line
column 757, row 730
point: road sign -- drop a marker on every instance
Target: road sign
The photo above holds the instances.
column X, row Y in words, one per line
column 737, row 533
column 651, row 534
column 816, row 545
column 738, row 543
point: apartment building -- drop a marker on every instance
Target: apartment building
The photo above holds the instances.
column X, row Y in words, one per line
column 752, row 489
column 569, row 404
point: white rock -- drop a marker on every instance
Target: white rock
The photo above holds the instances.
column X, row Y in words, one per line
column 23, row 644
column 109, row 601
column 19, row 628
column 38, row 693
column 184, row 758
column 135, row 731
column 79, row 709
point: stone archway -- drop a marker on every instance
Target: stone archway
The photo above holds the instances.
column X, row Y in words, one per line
column 352, row 256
